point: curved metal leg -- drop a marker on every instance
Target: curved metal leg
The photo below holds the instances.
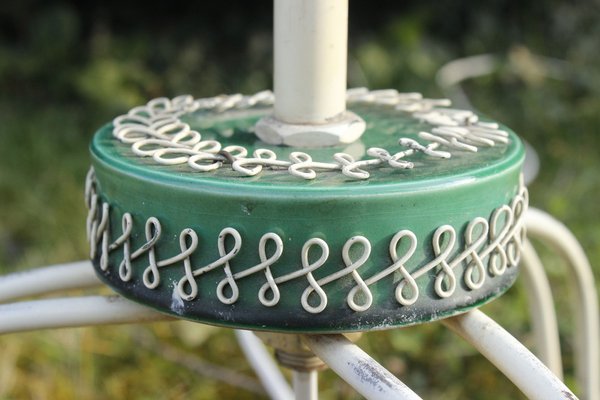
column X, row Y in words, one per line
column 357, row 368
column 72, row 312
column 261, row 361
column 44, row 280
column 544, row 227
column 509, row 355
column 541, row 306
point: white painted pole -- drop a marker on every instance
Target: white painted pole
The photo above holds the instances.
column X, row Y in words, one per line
column 357, row 368
column 73, row 312
column 311, row 42
column 306, row 385
column 44, row 280
column 512, row 358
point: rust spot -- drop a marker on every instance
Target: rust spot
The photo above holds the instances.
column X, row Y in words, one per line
column 227, row 155
column 112, row 299
column 371, row 375
column 569, row 395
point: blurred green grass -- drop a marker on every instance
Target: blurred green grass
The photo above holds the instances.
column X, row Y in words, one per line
column 67, row 68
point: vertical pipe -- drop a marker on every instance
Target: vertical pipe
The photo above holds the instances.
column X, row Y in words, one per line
column 310, row 44
column 306, row 385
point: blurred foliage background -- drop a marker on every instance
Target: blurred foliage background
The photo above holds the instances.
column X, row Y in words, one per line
column 67, row 67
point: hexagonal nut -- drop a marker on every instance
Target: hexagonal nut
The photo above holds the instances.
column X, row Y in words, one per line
column 344, row 129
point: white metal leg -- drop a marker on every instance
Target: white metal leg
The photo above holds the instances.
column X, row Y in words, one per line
column 76, row 275
column 357, row 368
column 306, row 385
column 269, row 374
column 509, row 355
column 544, row 227
column 541, row 306
column 72, row 312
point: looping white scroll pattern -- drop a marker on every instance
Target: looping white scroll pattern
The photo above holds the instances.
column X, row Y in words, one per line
column 224, row 257
column 473, row 246
column 156, row 130
column 442, row 253
column 490, row 248
column 351, row 267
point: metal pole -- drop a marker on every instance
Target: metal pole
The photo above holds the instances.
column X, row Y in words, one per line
column 357, row 368
column 541, row 306
column 261, row 361
column 510, row 356
column 310, row 46
column 541, row 225
column 306, row 384
column 73, row 312
column 44, row 280
column 310, row 41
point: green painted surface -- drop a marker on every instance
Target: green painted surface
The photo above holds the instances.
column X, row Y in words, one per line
column 384, row 128
column 434, row 193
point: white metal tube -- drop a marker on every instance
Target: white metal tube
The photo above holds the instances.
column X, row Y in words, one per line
column 73, row 312
column 43, row 280
column 306, row 385
column 261, row 361
column 530, row 375
column 541, row 306
column 310, row 46
column 357, row 368
column 587, row 325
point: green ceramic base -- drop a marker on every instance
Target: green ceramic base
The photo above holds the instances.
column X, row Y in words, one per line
column 189, row 243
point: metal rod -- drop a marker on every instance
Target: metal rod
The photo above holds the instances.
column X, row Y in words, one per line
column 73, row 312
column 267, row 371
column 44, row 280
column 530, row 375
column 541, row 307
column 450, row 76
column 357, row 368
column 306, row 384
column 544, row 227
column 310, row 45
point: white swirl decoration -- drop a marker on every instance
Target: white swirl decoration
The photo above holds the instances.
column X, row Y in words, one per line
column 156, row 130
column 491, row 247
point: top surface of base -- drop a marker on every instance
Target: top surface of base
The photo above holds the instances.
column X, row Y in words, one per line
column 385, row 126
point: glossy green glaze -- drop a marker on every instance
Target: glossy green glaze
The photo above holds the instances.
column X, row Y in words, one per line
column 331, row 207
